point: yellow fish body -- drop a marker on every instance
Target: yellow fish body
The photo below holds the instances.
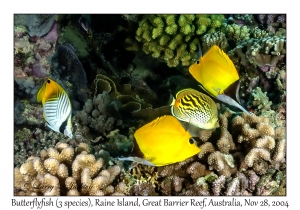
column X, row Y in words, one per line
column 216, row 73
column 56, row 107
column 195, row 108
column 162, row 142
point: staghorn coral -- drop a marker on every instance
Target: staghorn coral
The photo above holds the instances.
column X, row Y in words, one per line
column 173, row 38
column 64, row 170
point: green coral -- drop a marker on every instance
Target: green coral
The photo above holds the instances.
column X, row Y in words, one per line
column 261, row 99
column 174, row 38
column 237, row 33
column 216, row 38
column 258, row 33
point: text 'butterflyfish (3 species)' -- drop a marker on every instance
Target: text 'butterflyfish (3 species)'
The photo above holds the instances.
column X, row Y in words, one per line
column 218, row 75
column 195, row 108
column 162, row 142
column 56, row 107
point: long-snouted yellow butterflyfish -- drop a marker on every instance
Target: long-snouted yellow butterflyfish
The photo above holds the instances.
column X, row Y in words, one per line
column 56, row 107
column 217, row 73
column 162, row 142
column 195, row 108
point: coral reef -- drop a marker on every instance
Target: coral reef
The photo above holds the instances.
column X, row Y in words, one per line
column 260, row 99
column 262, row 64
column 216, row 38
column 238, row 33
column 95, row 115
column 32, row 60
column 30, row 114
column 173, row 38
column 219, row 169
column 36, row 25
column 115, row 88
column 28, row 142
column 65, row 170
column 272, row 21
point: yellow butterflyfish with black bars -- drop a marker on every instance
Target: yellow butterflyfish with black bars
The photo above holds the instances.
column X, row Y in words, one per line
column 218, row 75
column 161, row 142
column 195, row 108
column 57, row 108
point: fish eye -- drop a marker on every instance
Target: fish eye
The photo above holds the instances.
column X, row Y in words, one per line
column 192, row 141
column 48, row 80
column 198, row 62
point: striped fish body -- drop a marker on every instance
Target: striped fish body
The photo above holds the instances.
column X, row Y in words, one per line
column 195, row 108
column 56, row 107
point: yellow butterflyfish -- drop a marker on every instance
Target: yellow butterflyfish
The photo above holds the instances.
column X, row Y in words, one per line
column 218, row 75
column 162, row 142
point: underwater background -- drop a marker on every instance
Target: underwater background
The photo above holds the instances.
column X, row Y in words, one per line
column 120, row 72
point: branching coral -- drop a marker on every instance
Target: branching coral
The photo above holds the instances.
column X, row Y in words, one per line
column 173, row 38
column 259, row 135
column 260, row 99
column 272, row 21
column 64, row 170
column 258, row 33
column 237, row 33
column 263, row 53
column 217, row 38
column 95, row 115
column 31, row 142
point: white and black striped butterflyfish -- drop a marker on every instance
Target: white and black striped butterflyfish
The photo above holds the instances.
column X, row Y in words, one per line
column 57, row 108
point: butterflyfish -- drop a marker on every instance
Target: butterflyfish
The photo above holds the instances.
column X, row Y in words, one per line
column 218, row 76
column 195, row 108
column 56, row 107
column 162, row 142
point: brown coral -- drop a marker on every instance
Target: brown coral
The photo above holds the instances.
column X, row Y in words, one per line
column 49, row 175
column 221, row 163
column 260, row 138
